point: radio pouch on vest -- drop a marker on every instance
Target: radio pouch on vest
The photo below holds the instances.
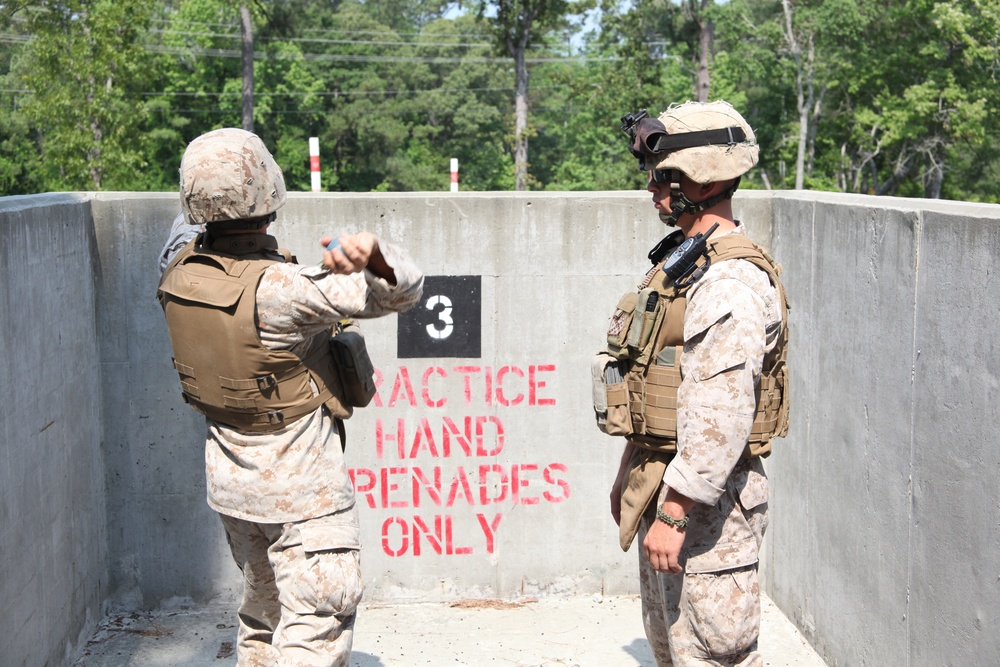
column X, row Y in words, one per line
column 357, row 375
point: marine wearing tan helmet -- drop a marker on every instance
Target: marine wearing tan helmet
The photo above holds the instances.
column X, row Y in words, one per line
column 230, row 183
column 695, row 378
column 229, row 175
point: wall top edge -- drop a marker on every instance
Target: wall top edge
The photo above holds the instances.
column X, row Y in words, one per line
column 949, row 206
column 973, row 209
column 15, row 203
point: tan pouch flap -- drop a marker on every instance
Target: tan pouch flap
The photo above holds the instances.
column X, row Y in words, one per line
column 191, row 283
column 340, row 530
column 644, row 478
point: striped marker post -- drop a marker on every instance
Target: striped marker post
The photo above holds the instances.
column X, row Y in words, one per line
column 314, row 162
column 454, row 174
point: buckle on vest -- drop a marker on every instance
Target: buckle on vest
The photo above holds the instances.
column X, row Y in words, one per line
column 266, row 383
column 275, row 417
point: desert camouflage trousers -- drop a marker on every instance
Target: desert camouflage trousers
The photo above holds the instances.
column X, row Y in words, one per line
column 302, row 586
column 699, row 619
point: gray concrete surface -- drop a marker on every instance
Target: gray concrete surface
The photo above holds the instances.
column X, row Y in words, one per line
column 53, row 512
column 591, row 631
column 885, row 519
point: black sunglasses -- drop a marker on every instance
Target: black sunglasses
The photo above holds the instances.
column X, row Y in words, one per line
column 661, row 176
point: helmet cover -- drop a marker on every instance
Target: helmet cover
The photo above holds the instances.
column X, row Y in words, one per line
column 229, row 174
column 707, row 164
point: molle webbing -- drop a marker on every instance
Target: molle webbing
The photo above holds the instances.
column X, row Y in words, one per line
column 652, row 385
column 226, row 373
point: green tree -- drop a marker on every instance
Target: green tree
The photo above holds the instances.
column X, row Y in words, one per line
column 516, row 26
column 83, row 64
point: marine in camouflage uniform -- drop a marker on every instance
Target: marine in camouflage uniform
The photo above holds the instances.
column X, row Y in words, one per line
column 701, row 518
column 283, row 492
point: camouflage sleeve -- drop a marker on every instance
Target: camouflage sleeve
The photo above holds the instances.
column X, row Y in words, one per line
column 724, row 343
column 296, row 302
column 181, row 233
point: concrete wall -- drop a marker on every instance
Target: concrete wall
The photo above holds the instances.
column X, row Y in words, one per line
column 886, row 523
column 536, row 522
column 885, row 509
column 53, row 536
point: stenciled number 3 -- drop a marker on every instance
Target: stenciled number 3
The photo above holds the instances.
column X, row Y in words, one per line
column 444, row 316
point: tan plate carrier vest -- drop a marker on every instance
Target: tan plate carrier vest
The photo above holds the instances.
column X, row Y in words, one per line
column 644, row 405
column 209, row 299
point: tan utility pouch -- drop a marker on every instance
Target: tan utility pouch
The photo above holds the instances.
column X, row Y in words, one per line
column 610, row 395
column 621, row 323
column 357, row 375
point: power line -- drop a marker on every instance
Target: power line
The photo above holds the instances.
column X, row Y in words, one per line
column 326, row 41
column 337, row 93
column 334, row 57
column 336, row 31
column 322, row 93
column 320, row 112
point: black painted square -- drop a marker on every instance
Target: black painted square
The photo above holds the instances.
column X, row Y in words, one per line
column 446, row 323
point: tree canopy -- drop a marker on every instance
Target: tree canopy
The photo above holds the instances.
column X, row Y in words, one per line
column 896, row 98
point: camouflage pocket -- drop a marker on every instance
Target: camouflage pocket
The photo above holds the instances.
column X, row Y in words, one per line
column 318, row 572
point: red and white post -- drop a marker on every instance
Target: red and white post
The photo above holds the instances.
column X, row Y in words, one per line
column 314, row 162
column 454, row 174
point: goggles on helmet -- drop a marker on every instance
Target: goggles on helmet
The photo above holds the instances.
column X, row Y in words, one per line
column 648, row 137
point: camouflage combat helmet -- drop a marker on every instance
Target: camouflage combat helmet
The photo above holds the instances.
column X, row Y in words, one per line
column 708, row 142
column 712, row 162
column 229, row 175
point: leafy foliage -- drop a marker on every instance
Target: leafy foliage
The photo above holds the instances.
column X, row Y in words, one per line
column 883, row 98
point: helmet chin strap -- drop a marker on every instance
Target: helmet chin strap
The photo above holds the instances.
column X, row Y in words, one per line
column 680, row 204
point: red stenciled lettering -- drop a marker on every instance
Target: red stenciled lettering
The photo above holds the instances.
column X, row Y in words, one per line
column 450, row 541
column 366, row 488
column 376, row 399
column 423, row 435
column 388, row 486
column 489, row 386
column 501, row 374
column 425, row 388
column 556, row 481
column 420, row 481
column 466, row 372
column 404, row 540
column 464, row 440
column 517, row 482
column 489, row 530
column 403, row 384
column 399, row 437
column 485, row 484
column 481, row 432
column 534, row 384
column 434, row 539
column 460, row 482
